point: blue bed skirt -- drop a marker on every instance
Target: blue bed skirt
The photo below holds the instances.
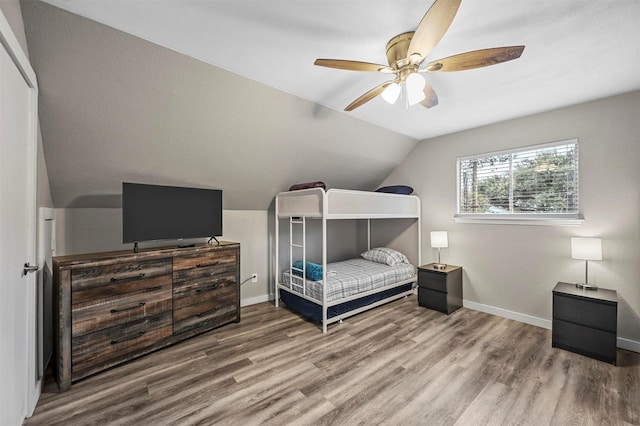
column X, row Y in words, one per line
column 313, row 311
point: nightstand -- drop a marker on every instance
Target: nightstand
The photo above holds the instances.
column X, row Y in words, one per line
column 440, row 289
column 585, row 321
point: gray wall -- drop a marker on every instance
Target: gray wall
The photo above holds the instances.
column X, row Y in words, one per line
column 511, row 269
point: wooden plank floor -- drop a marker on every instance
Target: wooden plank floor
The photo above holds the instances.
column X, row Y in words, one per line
column 397, row 364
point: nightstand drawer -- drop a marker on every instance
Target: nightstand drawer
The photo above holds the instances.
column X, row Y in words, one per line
column 431, row 299
column 432, row 280
column 584, row 340
column 591, row 313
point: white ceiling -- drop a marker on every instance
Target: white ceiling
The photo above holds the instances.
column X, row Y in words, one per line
column 576, row 50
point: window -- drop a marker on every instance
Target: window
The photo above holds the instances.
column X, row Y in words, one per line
column 529, row 183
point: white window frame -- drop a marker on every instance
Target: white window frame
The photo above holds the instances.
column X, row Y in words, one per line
column 557, row 219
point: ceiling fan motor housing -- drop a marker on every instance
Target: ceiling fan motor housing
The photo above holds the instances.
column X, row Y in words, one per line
column 397, row 56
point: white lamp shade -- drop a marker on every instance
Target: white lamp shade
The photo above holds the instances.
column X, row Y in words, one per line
column 586, row 248
column 391, row 93
column 439, row 239
column 415, row 88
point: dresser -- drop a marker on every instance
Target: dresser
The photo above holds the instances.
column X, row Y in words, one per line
column 113, row 307
column 440, row 289
column 585, row 321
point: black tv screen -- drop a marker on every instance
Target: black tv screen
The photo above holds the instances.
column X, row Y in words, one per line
column 155, row 212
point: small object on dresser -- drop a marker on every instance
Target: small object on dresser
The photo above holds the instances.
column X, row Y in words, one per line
column 440, row 289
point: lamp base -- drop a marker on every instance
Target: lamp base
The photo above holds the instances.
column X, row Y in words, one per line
column 586, row 286
column 439, row 265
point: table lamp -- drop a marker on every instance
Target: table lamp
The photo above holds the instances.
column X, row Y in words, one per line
column 586, row 249
column 439, row 239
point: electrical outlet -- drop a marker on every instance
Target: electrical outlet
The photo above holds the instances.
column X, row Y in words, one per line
column 254, row 277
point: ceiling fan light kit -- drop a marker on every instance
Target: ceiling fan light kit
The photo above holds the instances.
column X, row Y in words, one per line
column 391, row 93
column 415, row 85
column 407, row 51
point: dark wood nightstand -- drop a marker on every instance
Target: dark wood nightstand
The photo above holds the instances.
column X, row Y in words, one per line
column 585, row 321
column 440, row 289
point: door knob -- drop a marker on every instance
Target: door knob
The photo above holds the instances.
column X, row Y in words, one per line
column 28, row 268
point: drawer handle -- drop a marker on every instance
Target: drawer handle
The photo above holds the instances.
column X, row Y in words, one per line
column 139, row 305
column 200, row 265
column 210, row 311
column 115, row 279
column 135, row 336
column 211, row 287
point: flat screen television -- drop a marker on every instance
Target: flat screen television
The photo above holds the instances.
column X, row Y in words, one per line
column 156, row 212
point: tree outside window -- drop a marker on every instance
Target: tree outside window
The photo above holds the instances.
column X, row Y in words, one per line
column 533, row 180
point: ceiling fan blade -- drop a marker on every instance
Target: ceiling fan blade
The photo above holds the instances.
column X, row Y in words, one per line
column 343, row 64
column 476, row 59
column 368, row 96
column 432, row 27
column 431, row 98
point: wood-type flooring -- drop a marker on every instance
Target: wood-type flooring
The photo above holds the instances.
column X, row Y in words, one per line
column 398, row 364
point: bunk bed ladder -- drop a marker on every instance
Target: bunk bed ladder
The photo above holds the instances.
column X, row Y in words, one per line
column 298, row 279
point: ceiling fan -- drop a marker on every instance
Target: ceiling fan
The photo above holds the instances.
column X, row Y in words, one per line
column 406, row 53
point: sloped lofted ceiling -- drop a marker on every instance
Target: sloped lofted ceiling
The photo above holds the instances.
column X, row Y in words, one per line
column 115, row 107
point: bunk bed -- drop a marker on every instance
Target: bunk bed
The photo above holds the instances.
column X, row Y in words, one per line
column 339, row 289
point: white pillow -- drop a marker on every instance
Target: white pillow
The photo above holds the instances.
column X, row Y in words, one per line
column 385, row 255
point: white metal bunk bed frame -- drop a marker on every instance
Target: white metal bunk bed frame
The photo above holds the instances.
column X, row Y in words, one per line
column 314, row 203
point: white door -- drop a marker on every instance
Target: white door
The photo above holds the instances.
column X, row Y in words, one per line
column 18, row 125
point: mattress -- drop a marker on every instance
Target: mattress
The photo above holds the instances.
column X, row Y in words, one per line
column 351, row 277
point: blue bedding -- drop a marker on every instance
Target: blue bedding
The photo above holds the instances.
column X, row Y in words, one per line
column 312, row 270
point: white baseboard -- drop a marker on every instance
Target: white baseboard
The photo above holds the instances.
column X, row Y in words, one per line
column 622, row 343
column 256, row 300
column 505, row 313
column 628, row 344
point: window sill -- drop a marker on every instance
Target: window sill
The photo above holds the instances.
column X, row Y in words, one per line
column 516, row 220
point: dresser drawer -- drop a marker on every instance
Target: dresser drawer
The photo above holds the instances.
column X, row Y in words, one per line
column 211, row 261
column 432, row 280
column 106, row 282
column 111, row 346
column 201, row 288
column 203, row 316
column 591, row 313
column 207, row 305
column 120, row 309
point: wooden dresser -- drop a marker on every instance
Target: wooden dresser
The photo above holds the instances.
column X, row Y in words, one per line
column 113, row 307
